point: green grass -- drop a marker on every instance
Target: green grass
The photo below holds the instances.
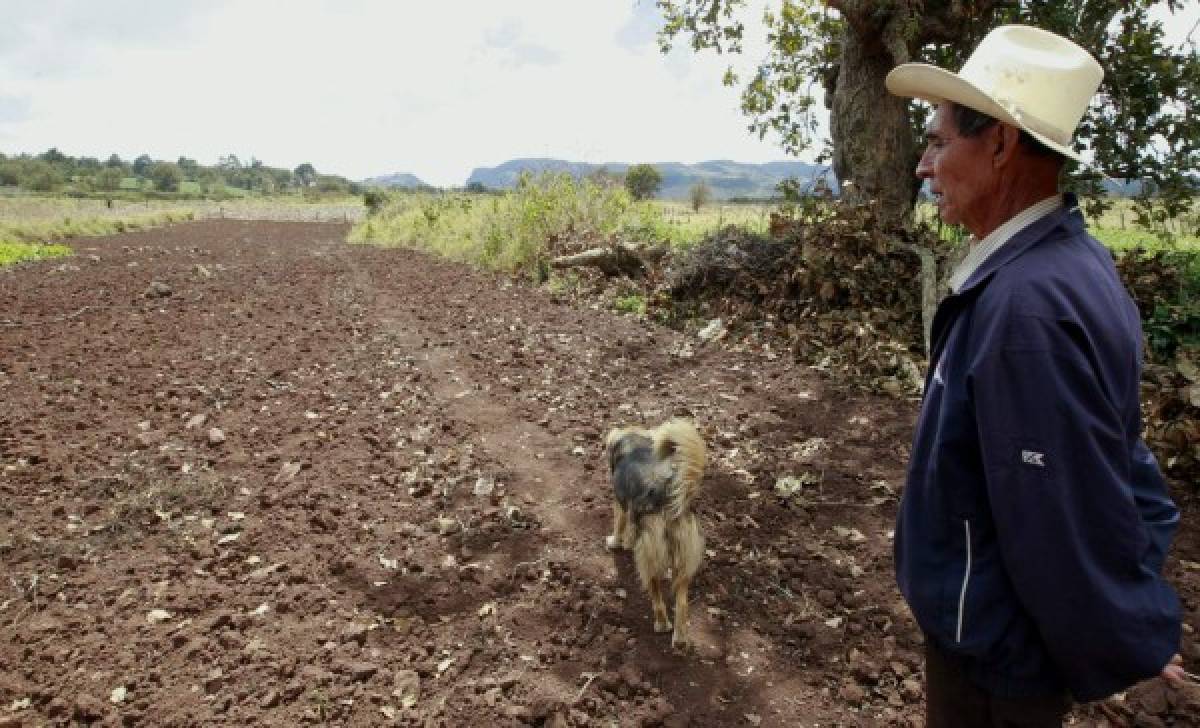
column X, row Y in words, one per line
column 31, row 227
column 690, row 226
column 1118, row 240
column 13, row 252
column 40, row 216
column 34, row 239
column 633, row 303
column 1117, row 228
column 26, row 210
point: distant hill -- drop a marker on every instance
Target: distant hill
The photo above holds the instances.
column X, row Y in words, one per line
column 726, row 179
column 407, row 181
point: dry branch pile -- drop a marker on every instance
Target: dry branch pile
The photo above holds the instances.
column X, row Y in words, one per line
column 842, row 292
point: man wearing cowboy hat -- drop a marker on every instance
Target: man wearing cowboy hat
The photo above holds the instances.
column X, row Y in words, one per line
column 1032, row 532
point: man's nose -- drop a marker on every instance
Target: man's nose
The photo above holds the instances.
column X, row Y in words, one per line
column 924, row 166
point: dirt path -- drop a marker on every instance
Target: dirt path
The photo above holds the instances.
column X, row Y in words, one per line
column 250, row 475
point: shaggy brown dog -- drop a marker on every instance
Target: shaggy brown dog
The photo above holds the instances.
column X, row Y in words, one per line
column 655, row 474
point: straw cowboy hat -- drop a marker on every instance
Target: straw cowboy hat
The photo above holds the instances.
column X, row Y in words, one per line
column 1024, row 76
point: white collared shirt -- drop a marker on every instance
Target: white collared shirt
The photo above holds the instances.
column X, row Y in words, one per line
column 984, row 249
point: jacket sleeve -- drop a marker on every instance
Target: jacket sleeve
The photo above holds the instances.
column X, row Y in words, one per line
column 1082, row 526
column 1157, row 510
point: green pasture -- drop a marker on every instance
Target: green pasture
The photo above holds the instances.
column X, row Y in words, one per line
column 187, row 189
column 692, row 225
column 76, row 214
column 1117, row 228
column 31, row 228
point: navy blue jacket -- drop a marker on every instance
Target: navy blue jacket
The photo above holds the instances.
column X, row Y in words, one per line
column 1033, row 527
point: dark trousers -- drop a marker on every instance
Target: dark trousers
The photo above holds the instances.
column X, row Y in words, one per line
column 953, row 701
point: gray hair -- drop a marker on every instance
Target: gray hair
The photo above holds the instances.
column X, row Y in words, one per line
column 971, row 123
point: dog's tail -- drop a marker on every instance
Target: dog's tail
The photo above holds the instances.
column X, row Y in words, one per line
column 679, row 443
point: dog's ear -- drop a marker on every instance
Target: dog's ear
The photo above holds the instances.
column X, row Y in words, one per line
column 612, row 442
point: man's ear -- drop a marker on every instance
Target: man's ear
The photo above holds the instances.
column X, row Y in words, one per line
column 1005, row 140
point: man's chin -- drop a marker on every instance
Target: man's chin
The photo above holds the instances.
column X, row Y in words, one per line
column 948, row 216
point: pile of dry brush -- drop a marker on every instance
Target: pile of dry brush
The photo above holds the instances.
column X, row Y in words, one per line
column 838, row 290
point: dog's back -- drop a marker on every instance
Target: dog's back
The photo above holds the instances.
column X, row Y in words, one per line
column 679, row 443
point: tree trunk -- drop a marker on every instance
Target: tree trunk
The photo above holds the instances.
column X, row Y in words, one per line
column 875, row 156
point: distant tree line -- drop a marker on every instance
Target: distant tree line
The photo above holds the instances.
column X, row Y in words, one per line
column 55, row 172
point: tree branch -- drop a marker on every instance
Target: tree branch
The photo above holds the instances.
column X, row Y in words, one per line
column 859, row 15
column 627, row 258
column 949, row 25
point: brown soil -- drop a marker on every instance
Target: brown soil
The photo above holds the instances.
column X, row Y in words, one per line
column 250, row 475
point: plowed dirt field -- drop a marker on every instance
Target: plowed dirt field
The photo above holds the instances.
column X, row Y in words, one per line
column 252, row 475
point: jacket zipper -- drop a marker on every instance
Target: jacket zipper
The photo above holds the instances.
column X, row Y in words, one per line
column 962, row 595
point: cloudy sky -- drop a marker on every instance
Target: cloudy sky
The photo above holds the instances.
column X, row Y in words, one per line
column 364, row 87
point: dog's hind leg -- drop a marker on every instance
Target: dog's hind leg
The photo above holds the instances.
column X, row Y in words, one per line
column 619, row 537
column 651, row 556
column 662, row 622
column 679, row 638
column 687, row 554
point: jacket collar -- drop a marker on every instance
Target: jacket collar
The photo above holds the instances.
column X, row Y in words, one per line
column 1068, row 216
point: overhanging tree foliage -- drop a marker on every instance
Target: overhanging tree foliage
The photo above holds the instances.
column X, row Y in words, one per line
column 1142, row 125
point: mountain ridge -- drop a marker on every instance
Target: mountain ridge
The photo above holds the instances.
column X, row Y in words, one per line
column 726, row 178
column 396, row 179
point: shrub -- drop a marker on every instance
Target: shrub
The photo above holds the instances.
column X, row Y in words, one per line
column 10, row 174
column 109, row 178
column 1166, row 286
column 142, row 165
column 514, row 230
column 700, row 195
column 375, row 198
column 643, row 181
column 166, row 176
column 40, row 176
